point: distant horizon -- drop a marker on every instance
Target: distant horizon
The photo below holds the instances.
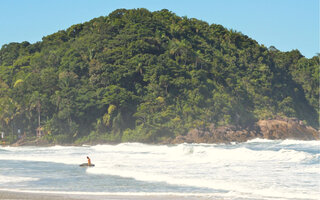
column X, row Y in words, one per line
column 285, row 24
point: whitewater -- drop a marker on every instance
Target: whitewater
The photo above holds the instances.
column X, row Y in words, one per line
column 257, row 169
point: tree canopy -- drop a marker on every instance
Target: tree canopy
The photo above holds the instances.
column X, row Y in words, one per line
column 137, row 75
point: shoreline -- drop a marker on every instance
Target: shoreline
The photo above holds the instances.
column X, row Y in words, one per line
column 273, row 129
column 28, row 195
column 34, row 144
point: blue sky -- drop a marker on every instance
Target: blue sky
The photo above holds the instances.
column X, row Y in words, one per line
column 285, row 24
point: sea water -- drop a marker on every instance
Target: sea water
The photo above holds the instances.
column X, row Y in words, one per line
column 257, row 169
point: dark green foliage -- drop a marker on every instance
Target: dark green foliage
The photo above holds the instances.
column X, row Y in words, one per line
column 145, row 76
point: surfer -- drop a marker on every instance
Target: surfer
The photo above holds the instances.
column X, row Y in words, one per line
column 88, row 164
column 89, row 161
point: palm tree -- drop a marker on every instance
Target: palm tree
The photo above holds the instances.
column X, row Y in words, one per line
column 35, row 103
column 179, row 49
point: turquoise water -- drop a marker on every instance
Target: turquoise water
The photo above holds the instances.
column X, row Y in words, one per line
column 258, row 169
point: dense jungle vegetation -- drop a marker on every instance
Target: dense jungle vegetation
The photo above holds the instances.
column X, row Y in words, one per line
column 144, row 76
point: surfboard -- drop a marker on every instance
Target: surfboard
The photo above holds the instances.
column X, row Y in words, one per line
column 86, row 165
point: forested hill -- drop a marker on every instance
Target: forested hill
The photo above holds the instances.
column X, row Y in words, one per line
column 137, row 75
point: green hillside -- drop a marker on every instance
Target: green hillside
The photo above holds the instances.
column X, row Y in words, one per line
column 144, row 76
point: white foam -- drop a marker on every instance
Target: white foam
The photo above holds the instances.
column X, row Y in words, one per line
column 237, row 187
column 260, row 140
column 14, row 179
column 238, row 169
column 297, row 142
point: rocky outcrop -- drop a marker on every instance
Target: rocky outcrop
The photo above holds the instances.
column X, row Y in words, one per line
column 267, row 129
column 36, row 142
column 287, row 129
column 221, row 134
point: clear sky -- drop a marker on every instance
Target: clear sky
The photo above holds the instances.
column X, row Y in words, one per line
column 285, row 24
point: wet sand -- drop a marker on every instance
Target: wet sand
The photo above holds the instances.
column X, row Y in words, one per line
column 8, row 195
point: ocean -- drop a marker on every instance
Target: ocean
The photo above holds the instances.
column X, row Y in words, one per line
column 257, row 169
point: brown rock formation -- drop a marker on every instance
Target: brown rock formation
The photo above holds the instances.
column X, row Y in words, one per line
column 37, row 142
column 223, row 134
column 287, row 129
column 268, row 129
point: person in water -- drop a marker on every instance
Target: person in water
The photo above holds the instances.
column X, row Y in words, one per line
column 89, row 161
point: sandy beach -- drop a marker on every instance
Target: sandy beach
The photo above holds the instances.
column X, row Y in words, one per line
column 9, row 195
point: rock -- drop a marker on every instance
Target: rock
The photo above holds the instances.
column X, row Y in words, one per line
column 36, row 142
column 287, row 129
column 278, row 128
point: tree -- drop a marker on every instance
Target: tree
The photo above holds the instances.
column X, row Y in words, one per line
column 146, row 76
